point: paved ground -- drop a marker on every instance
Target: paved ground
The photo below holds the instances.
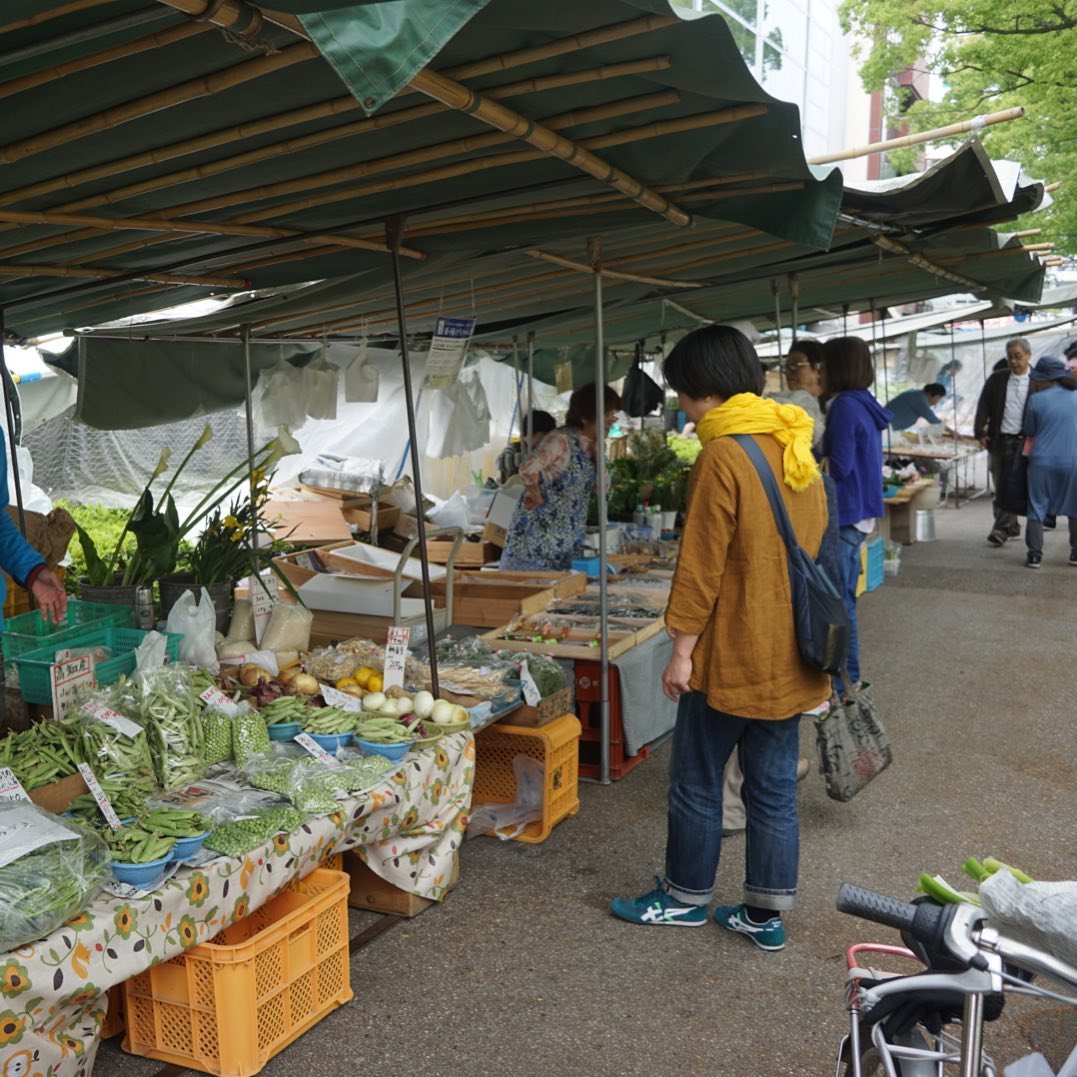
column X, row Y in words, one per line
column 524, row 972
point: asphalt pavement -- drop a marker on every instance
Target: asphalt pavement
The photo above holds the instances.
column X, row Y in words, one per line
column 522, row 971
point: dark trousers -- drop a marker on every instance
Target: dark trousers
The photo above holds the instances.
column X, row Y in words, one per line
column 1034, row 535
column 1004, row 449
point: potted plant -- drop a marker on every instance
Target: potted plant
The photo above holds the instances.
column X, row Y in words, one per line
column 670, row 492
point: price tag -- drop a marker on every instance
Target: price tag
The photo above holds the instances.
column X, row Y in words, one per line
column 107, row 810
column 532, row 695
column 115, row 721
column 10, row 786
column 396, row 656
column 68, row 678
column 265, row 594
column 335, row 698
column 304, row 740
column 216, row 700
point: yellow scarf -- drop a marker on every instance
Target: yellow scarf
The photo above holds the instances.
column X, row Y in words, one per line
column 790, row 426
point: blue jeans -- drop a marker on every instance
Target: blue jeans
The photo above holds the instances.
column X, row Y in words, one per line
column 850, row 540
column 703, row 741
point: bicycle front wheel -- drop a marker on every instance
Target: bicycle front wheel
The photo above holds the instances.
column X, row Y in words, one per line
column 871, row 1064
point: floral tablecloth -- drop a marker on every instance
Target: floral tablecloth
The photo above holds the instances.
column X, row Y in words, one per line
column 52, row 1001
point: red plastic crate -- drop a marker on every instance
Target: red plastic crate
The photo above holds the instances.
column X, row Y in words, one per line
column 589, row 710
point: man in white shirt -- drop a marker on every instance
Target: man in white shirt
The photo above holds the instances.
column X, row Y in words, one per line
column 999, row 427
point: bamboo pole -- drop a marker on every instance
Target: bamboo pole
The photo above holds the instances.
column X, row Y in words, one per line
column 462, row 99
column 1052, row 187
column 160, row 39
column 145, row 106
column 917, row 139
column 1050, row 262
column 236, row 15
column 665, row 282
column 51, row 13
column 86, row 272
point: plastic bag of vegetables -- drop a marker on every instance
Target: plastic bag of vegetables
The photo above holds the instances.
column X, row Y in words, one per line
column 50, row 870
column 116, row 747
column 167, row 705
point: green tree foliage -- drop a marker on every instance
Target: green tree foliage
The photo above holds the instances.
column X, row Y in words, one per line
column 990, row 55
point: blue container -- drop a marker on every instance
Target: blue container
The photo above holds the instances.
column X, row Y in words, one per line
column 395, row 751
column 284, row 730
column 187, row 847
column 331, row 742
column 140, row 874
column 876, row 570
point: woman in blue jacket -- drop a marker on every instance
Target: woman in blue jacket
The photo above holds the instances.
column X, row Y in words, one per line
column 853, row 451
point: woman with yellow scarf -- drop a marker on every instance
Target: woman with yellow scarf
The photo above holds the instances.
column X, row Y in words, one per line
column 736, row 669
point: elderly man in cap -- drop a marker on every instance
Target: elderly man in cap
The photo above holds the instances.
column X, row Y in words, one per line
column 999, row 426
column 1051, row 424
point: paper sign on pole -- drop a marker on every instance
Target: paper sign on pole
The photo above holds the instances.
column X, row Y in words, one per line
column 68, row 677
column 304, row 740
column 10, row 786
column 107, row 810
column 396, row 656
column 562, row 374
column 264, row 593
column 448, row 347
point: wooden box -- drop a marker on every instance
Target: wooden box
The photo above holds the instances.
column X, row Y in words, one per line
column 549, row 708
column 370, row 891
column 581, row 645
column 57, row 796
column 489, row 599
column 470, row 553
column 358, row 511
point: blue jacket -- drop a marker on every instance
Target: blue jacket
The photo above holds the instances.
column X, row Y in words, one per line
column 854, row 446
column 909, row 406
column 17, row 557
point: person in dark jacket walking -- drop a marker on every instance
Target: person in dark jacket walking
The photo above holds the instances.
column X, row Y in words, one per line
column 999, row 427
column 853, row 451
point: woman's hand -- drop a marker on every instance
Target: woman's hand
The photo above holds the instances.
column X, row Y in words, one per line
column 676, row 676
column 533, row 497
column 50, row 596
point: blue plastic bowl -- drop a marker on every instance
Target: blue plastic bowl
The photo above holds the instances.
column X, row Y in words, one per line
column 395, row 751
column 186, row 847
column 284, row 730
column 140, row 874
column 331, row 742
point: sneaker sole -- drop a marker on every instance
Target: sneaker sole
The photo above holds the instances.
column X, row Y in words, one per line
column 658, row 923
column 737, row 930
column 996, row 542
column 1033, row 564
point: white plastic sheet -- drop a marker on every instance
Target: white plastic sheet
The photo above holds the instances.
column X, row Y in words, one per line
column 459, row 417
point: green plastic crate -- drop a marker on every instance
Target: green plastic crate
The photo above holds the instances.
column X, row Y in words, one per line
column 31, row 632
column 35, row 667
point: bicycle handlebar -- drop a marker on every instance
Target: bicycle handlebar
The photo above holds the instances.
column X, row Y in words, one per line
column 879, row 908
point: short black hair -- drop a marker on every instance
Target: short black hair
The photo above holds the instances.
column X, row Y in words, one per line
column 935, row 389
column 583, row 404
column 812, row 350
column 542, row 421
column 715, row 360
column 848, row 365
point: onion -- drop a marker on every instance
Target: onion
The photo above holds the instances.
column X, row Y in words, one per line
column 251, row 674
column 374, row 701
column 423, row 704
column 306, row 685
column 404, row 705
column 389, row 706
column 286, row 676
column 443, row 711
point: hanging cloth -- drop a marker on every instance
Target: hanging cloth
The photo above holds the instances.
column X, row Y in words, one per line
column 361, row 379
column 320, row 382
column 278, row 398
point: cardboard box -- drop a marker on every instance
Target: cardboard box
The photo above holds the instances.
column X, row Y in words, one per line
column 57, row 796
column 499, row 518
column 371, row 891
column 307, row 522
column 406, row 526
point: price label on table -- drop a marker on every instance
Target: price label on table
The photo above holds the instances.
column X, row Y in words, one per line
column 113, row 720
column 107, row 810
column 532, row 695
column 216, row 700
column 304, row 740
column 336, row 698
column 10, row 786
column 68, row 678
column 396, row 656
column 265, row 594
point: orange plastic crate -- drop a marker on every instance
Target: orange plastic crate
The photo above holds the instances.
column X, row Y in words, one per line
column 228, row 1006
column 556, row 745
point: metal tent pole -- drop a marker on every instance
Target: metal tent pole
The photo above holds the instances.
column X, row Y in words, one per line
column 794, row 292
column 594, row 252
column 519, row 380
column 983, row 357
column 845, row 319
column 530, row 392
column 394, row 233
column 778, row 330
column 886, row 376
column 250, row 429
column 953, row 393
column 9, row 412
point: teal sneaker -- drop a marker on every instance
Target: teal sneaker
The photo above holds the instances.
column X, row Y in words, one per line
column 768, row 936
column 660, row 909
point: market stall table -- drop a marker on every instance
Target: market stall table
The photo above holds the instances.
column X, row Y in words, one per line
column 408, row 829
column 949, row 455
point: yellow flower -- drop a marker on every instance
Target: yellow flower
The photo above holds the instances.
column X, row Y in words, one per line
column 257, row 475
column 242, row 907
column 204, row 437
column 198, row 889
column 11, row 1028
column 126, row 919
column 13, row 978
column 237, row 535
column 231, row 521
column 188, row 932
column 162, row 463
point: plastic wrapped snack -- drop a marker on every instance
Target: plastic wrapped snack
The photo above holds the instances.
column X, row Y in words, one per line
column 50, row 870
column 168, row 706
column 116, row 747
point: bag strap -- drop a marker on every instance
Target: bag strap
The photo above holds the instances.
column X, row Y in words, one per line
column 770, row 487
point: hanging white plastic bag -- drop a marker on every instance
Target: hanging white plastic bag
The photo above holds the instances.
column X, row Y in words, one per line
column 151, row 654
column 196, row 621
column 506, row 821
column 320, row 388
column 361, row 379
column 278, row 398
column 451, row 513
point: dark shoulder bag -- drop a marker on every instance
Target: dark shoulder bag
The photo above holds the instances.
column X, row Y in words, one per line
column 822, row 623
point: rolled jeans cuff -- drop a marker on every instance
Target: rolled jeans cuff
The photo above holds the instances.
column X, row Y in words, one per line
column 688, row 897
column 778, row 900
